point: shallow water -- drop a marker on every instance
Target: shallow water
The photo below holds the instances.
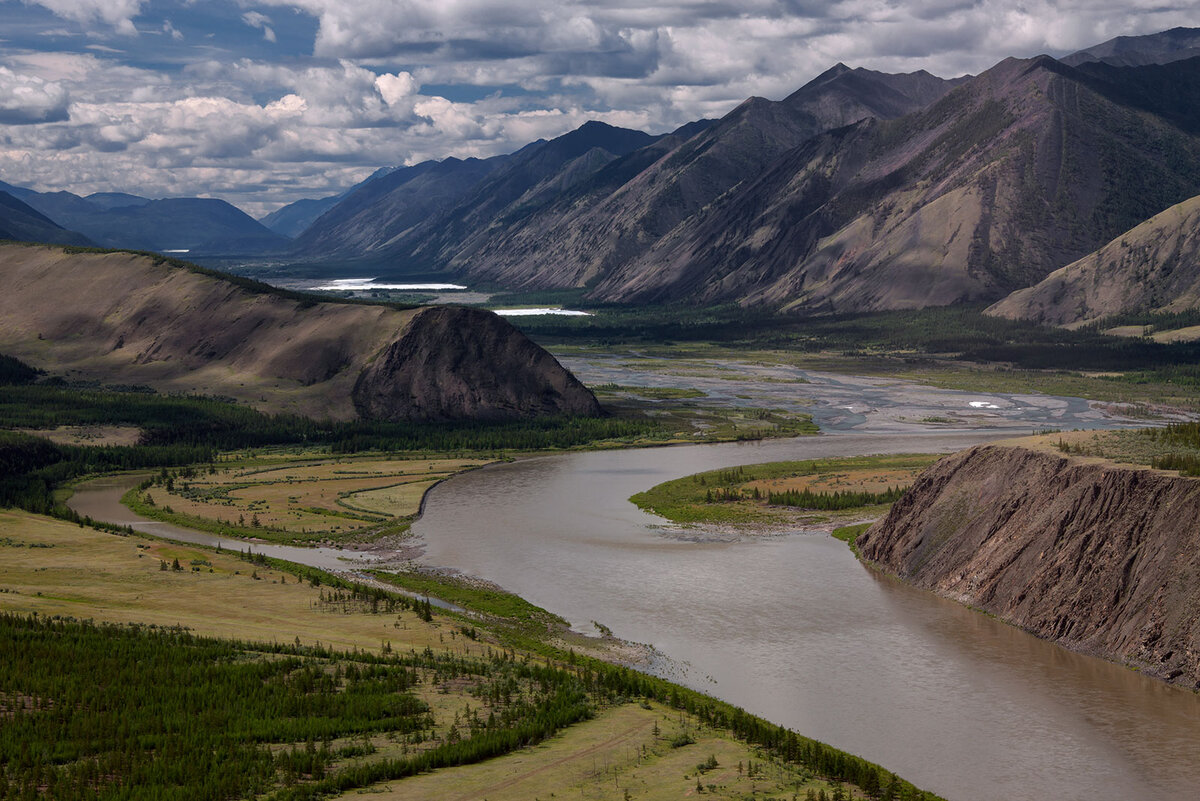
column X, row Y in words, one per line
column 793, row 628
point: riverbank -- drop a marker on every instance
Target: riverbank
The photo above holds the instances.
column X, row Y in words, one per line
column 794, row 629
column 58, row 569
column 1094, row 556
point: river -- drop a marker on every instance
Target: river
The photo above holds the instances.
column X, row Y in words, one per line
column 794, row 629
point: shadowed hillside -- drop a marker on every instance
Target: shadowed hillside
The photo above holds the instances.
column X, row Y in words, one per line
column 132, row 319
column 1013, row 174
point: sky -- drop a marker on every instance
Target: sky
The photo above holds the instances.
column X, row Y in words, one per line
column 262, row 102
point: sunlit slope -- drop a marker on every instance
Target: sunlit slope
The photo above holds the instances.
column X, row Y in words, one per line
column 1153, row 267
column 124, row 318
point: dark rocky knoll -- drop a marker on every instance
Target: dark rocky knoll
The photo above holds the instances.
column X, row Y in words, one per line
column 1099, row 558
column 1154, row 267
column 125, row 318
column 1021, row 170
column 451, row 363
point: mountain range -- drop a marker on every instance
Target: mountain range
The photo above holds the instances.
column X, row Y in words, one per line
column 197, row 226
column 860, row 191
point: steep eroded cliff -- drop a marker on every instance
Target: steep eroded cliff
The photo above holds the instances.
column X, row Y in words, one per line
column 1102, row 559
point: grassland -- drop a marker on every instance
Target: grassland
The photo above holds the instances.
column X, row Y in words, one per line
column 616, row 753
column 1175, row 447
column 464, row 715
column 54, row 568
column 813, row 491
column 297, row 497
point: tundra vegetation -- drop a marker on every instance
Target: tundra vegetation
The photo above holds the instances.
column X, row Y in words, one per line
column 237, row 676
column 811, row 491
column 1172, row 447
column 296, row 497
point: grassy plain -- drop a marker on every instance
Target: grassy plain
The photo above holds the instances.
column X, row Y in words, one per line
column 55, row 568
column 464, row 677
column 741, row 495
column 615, row 753
column 299, row 497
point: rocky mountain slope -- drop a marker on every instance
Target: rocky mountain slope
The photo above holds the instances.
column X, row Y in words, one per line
column 1098, row 558
column 861, row 191
column 294, row 218
column 620, row 213
column 124, row 318
column 1027, row 167
column 420, row 216
column 1153, row 267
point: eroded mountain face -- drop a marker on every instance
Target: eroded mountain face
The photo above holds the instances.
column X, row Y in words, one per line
column 1095, row 557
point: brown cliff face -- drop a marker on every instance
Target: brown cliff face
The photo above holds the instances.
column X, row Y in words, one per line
column 1100, row 559
column 453, row 363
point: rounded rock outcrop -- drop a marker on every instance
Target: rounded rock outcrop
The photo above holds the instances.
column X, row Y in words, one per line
column 457, row 363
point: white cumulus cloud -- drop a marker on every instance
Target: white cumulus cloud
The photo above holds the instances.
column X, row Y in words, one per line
column 117, row 14
column 27, row 99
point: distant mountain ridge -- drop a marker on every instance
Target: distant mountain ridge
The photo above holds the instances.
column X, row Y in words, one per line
column 291, row 220
column 21, row 222
column 1012, row 174
column 860, row 191
column 1139, row 51
column 565, row 212
column 410, row 212
column 199, row 226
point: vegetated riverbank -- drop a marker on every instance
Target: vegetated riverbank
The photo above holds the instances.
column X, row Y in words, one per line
column 779, row 495
column 1094, row 556
column 457, row 688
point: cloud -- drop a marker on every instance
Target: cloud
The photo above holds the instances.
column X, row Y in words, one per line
column 261, row 21
column 117, row 14
column 395, row 88
column 26, row 99
column 350, row 85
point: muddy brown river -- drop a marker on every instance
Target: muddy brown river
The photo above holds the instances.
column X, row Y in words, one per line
column 794, row 629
